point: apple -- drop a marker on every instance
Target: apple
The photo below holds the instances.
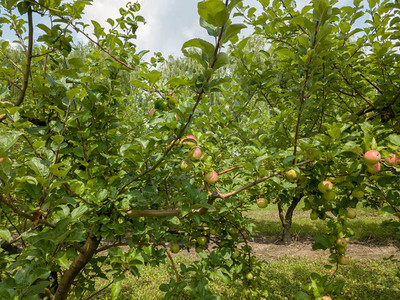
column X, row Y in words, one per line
column 371, row 157
column 211, row 177
column 325, row 186
column 326, row 298
column 341, row 242
column 392, row 159
column 202, row 240
column 235, row 254
column 357, row 193
column 199, row 249
column 343, row 260
column 186, row 165
column 262, row 202
column 2, row 159
column 291, row 174
column 329, row 196
column 151, row 113
column 195, row 154
column 174, row 248
column 374, row 169
column 350, row 213
column 341, row 250
column 249, row 276
column 189, row 140
column 314, row 215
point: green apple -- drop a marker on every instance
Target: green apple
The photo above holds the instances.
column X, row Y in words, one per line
column 291, row 174
column 202, row 240
column 314, row 215
column 262, row 202
column 329, row 196
column 350, row 213
column 174, row 248
column 357, row 193
column 249, row 276
column 343, row 260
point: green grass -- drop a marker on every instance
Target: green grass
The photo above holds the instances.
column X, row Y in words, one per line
column 282, row 278
column 366, row 226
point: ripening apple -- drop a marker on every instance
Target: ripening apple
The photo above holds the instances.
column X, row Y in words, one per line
column 374, row 169
column 392, row 159
column 329, row 196
column 262, row 202
column 189, row 140
column 357, row 193
column 325, row 186
column 341, row 242
column 2, row 159
column 343, row 260
column 350, row 213
column 195, row 154
column 174, row 248
column 291, row 174
column 371, row 157
column 326, row 298
column 211, row 177
column 202, row 240
column 314, row 215
column 186, row 165
column 151, row 113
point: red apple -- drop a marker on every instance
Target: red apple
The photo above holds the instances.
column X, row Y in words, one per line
column 189, row 140
column 195, row 154
column 341, row 242
column 373, row 169
column 392, row 159
column 326, row 298
column 371, row 157
column 211, row 177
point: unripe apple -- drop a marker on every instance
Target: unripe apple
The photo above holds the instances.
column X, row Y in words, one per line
column 329, row 196
column 151, row 113
column 350, row 213
column 189, row 140
column 392, row 159
column 211, row 177
column 262, row 202
column 325, row 186
column 314, row 215
column 343, row 260
column 341, row 250
column 357, row 193
column 249, row 276
column 202, row 240
column 291, row 174
column 371, row 157
column 186, row 165
column 195, row 154
column 341, row 242
column 174, row 248
column 374, row 169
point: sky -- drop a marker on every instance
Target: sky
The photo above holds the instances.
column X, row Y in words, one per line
column 169, row 23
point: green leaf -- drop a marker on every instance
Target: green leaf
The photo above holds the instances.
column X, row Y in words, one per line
column 5, row 235
column 78, row 212
column 7, row 140
column 98, row 30
column 77, row 187
column 302, row 296
column 213, row 12
column 39, row 166
column 394, row 139
column 232, row 31
column 222, row 60
column 116, row 289
column 205, row 46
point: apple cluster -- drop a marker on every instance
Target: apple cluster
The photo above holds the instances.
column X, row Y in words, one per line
column 373, row 160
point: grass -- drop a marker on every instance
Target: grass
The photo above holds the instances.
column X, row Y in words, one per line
column 283, row 277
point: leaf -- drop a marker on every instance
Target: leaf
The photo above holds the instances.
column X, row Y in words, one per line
column 98, row 30
column 213, row 12
column 222, row 60
column 78, row 212
column 205, row 46
column 39, row 166
column 116, row 289
column 232, row 31
column 302, row 296
column 7, row 140
column 322, row 242
column 394, row 139
column 5, row 235
column 77, row 187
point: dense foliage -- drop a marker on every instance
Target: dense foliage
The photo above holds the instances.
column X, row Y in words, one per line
column 283, row 115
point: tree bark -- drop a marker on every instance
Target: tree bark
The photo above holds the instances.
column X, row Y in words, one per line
column 89, row 249
column 286, row 219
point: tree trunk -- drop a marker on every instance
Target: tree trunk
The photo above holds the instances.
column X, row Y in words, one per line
column 286, row 219
column 76, row 267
